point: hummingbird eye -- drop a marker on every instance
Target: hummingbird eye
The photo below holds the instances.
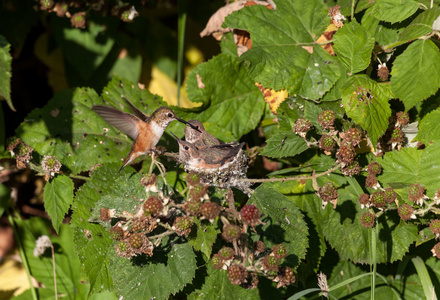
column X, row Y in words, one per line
column 186, row 148
column 170, row 115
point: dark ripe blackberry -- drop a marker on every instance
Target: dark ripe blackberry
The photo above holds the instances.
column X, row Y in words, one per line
column 153, row 206
column 405, row 212
column 210, row 210
column 270, row 263
column 237, row 274
column 216, row 261
column 326, row 119
column 136, row 241
column 279, row 251
column 367, row 219
column 390, row 195
column 226, row 253
column 231, row 232
column 250, row 215
column 374, row 168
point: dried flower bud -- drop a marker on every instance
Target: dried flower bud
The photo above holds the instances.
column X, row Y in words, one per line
column 50, row 165
column 374, row 168
column 41, row 244
column 364, row 200
column 416, row 193
column 367, row 219
column 390, row 195
column 405, row 212
column 383, row 72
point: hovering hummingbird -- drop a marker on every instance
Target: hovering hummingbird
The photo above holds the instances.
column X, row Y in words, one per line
column 196, row 134
column 145, row 131
column 211, row 157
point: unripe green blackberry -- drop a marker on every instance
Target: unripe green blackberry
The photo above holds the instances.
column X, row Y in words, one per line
column 415, row 193
column 351, row 169
column 104, row 214
column 117, row 233
column 279, row 251
column 259, row 247
column 328, row 192
column 405, row 212
column 12, row 142
column 198, row 191
column 302, row 125
column 374, row 168
column 192, row 178
column 327, row 143
column 390, row 195
column 182, row 226
column 138, row 224
column 50, row 164
column 153, row 206
column 270, row 263
column 136, row 240
column 21, row 150
column 226, row 253
column 210, row 210
column 250, row 215
column 378, row 199
column 231, row 232
column 326, row 119
column 237, row 274
column 123, row 246
column 149, row 180
column 192, row 207
column 354, row 135
column 367, row 219
column 78, row 20
column 434, row 225
column 396, row 135
column 46, row 4
column 436, row 250
column 402, row 118
column 217, row 262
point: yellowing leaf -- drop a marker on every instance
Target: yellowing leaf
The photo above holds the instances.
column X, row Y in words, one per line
column 272, row 97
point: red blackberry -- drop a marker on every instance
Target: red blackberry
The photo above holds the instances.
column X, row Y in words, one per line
column 326, row 119
column 250, row 215
column 153, row 206
column 237, row 274
column 354, row 135
column 136, row 240
column 210, row 210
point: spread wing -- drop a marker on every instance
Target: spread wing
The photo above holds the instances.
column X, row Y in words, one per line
column 125, row 122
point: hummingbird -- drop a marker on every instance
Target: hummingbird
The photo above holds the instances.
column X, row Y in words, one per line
column 200, row 137
column 211, row 157
column 145, row 131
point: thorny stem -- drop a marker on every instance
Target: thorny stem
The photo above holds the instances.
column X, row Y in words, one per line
column 292, row 178
column 40, row 172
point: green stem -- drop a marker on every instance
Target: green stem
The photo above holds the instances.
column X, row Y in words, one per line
column 353, row 2
column 181, row 23
column 374, row 257
column 22, row 255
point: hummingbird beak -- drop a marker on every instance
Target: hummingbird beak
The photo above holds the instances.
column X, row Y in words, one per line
column 186, row 123
column 178, row 140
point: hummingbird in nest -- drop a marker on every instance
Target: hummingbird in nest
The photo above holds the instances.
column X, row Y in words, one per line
column 145, row 131
column 211, row 157
column 196, row 134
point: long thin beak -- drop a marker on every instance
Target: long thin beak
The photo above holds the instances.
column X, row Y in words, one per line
column 186, row 123
column 175, row 136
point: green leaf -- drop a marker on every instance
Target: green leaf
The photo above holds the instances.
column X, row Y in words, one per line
column 58, row 196
column 5, row 71
column 205, row 237
column 284, row 223
column 284, row 144
column 409, row 166
column 366, row 102
column 217, row 286
column 277, row 59
column 5, row 195
column 158, row 281
column 67, row 265
column 92, row 241
column 383, row 34
column 421, row 25
column 425, row 279
column 230, row 98
column 425, row 235
column 428, row 127
column 394, row 10
column 353, row 46
column 416, row 73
